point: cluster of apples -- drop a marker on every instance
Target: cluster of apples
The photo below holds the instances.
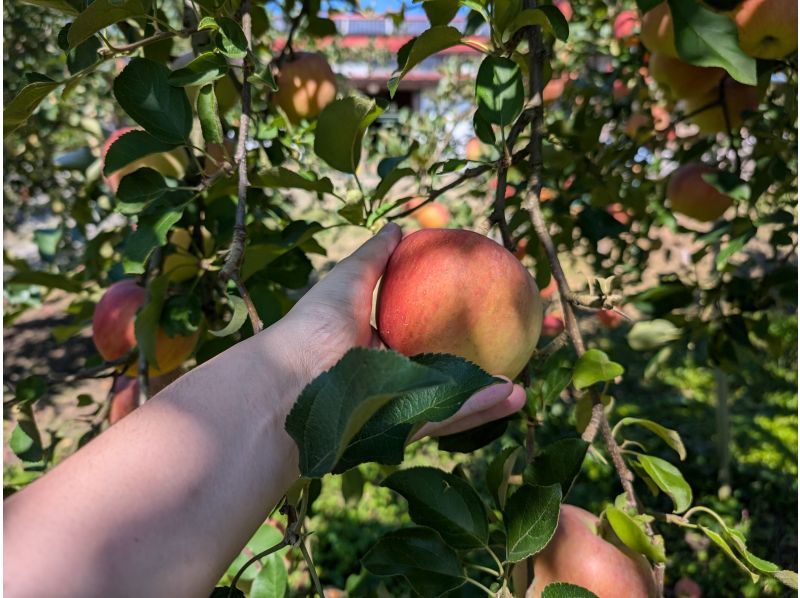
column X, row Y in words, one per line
column 767, row 29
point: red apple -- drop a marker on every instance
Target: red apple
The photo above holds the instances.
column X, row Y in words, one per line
column 681, row 79
column 306, row 85
column 474, row 149
column 625, row 24
column 458, row 292
column 552, row 325
column 551, row 288
column 692, row 196
column 687, row 588
column 739, row 99
column 609, row 318
column 565, row 7
column 114, row 335
column 658, row 34
column 767, row 28
column 126, row 393
column 619, row 213
column 578, row 555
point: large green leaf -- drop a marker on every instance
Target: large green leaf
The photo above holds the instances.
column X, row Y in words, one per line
column 144, row 92
column 336, row 405
column 440, row 12
column 595, row 366
column 265, row 537
column 68, row 7
column 131, row 146
column 231, row 40
column 729, row 552
column 17, row 112
column 419, row 555
column 669, row 479
column 340, row 130
column 49, row 280
column 558, row 463
column 531, row 518
column 708, row 38
column 550, row 20
column 499, row 90
column 272, row 580
column 385, row 435
column 102, row 13
column 633, row 535
column 444, row 502
column 418, row 49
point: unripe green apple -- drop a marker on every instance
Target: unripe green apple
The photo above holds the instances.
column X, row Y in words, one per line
column 456, row 291
column 182, row 264
column 306, row 85
column 681, row 79
column 578, row 555
column 767, row 28
column 692, row 196
column 114, row 334
column 658, row 34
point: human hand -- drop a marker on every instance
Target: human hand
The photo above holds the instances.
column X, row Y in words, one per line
column 334, row 316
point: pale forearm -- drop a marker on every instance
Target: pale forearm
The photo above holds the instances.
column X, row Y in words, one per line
column 172, row 492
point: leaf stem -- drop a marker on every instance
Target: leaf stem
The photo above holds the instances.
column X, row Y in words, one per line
column 311, row 570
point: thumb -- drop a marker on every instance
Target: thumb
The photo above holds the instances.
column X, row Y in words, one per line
column 366, row 265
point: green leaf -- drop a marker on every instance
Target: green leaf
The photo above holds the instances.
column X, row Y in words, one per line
column 283, row 178
column 737, row 539
column 264, row 77
column 47, row 241
column 499, row 90
column 387, row 182
column 30, row 389
column 558, row 463
column 153, row 224
column 144, row 92
column 384, row 436
column 728, row 183
column 704, row 37
column 352, row 485
column 669, row 479
column 25, row 441
column 138, row 189
column 149, row 318
column 731, row 248
column 265, row 537
column 332, row 409
column 208, row 113
column 418, row 49
column 206, row 68
column 231, row 40
column 340, row 130
column 84, row 55
column 102, row 13
column 440, row 12
column 207, row 24
column 131, row 146
column 470, row 441
column 419, row 555
column 483, row 129
column 531, row 518
column 272, row 580
column 64, row 6
column 595, row 366
column 238, row 317
column 671, row 437
column 17, row 112
column 649, row 335
column 566, row 590
column 504, row 12
column 720, row 542
column 633, row 535
column 444, row 502
column 49, row 280
column 181, row 315
column 498, row 473
column 353, row 212
column 321, row 27
column 546, row 16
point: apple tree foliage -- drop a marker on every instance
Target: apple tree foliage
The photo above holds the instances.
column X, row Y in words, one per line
column 176, row 72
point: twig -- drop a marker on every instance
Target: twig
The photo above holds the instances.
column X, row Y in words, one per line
column 156, row 37
column 499, row 212
column 554, row 345
column 283, row 543
column 533, row 206
column 233, row 261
